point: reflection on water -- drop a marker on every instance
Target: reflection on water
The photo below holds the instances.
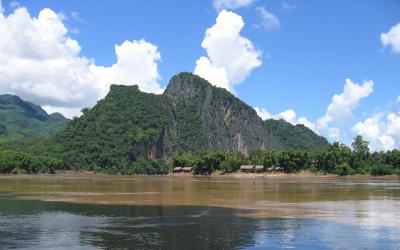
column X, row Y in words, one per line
column 198, row 213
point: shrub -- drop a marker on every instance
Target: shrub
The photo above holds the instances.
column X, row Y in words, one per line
column 232, row 163
column 15, row 161
column 343, row 169
column 381, row 169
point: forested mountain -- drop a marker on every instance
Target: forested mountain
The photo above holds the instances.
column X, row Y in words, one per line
column 295, row 136
column 191, row 116
column 23, row 121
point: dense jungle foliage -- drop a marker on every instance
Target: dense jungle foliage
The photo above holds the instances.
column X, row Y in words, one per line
column 336, row 159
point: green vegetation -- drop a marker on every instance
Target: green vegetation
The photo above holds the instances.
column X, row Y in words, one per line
column 335, row 159
column 113, row 136
column 19, row 162
column 295, row 136
column 191, row 116
column 22, row 121
column 193, row 124
column 209, row 118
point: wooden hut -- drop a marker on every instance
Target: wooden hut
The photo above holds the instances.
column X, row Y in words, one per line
column 187, row 169
column 177, row 170
column 246, row 168
column 258, row 168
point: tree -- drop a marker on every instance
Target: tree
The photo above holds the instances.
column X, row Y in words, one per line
column 360, row 145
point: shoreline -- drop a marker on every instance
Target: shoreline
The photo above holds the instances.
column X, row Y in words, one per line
column 217, row 174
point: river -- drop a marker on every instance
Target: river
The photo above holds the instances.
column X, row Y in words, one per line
column 167, row 212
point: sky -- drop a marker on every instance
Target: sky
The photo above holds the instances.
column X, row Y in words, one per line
column 333, row 66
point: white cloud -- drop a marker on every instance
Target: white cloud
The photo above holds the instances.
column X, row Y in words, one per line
column 268, row 20
column 338, row 119
column 340, row 109
column 136, row 64
column 231, row 4
column 288, row 7
column 215, row 75
column 1, row 7
column 288, row 116
column 383, row 132
column 231, row 57
column 263, row 113
column 393, row 124
column 392, row 38
column 307, row 123
column 41, row 63
column 334, row 134
column 67, row 112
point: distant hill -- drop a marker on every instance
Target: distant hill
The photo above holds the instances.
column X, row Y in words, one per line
column 295, row 136
column 24, row 121
column 191, row 116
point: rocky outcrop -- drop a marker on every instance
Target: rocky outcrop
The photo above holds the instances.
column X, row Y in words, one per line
column 216, row 119
column 190, row 116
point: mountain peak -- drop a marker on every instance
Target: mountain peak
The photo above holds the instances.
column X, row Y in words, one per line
column 191, row 116
column 29, row 109
column 185, row 85
column 22, row 120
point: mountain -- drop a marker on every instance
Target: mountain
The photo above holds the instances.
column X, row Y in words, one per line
column 207, row 117
column 295, row 136
column 190, row 116
column 23, row 121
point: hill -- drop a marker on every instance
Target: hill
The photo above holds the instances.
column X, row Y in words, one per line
column 190, row 116
column 22, row 121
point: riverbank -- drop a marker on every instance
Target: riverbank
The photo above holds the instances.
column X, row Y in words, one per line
column 216, row 174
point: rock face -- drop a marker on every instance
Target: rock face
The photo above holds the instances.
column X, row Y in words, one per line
column 191, row 115
column 21, row 120
column 207, row 117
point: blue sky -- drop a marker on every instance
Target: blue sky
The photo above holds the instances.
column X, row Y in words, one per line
column 305, row 58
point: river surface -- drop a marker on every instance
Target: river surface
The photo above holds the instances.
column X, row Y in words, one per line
column 103, row 212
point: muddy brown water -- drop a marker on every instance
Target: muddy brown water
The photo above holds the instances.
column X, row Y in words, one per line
column 182, row 212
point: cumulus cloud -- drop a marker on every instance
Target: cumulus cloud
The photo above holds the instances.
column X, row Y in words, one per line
column 392, row 38
column 136, row 63
column 42, row 64
column 268, row 20
column 303, row 120
column 231, row 4
column 340, row 109
column 230, row 56
column 339, row 116
column 338, row 119
column 383, row 132
column 263, row 113
column 334, row 134
column 288, row 116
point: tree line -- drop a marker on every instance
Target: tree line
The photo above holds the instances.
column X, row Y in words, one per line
column 337, row 158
